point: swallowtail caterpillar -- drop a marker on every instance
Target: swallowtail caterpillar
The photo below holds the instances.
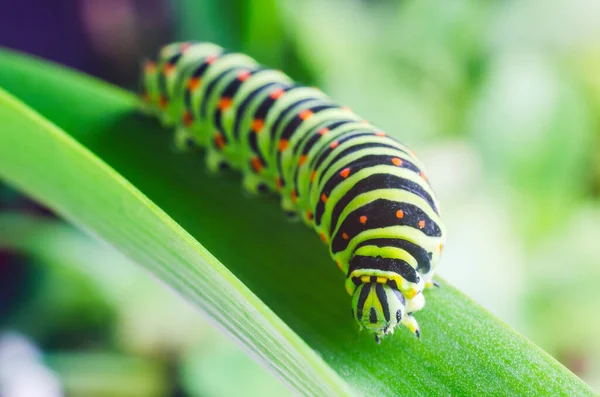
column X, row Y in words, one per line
column 363, row 192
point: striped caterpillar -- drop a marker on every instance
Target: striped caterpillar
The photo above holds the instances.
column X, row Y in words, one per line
column 364, row 193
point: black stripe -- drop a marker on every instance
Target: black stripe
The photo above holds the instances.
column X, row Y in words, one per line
column 239, row 115
column 398, row 312
column 162, row 80
column 373, row 315
column 422, row 257
column 398, row 266
column 209, row 89
column 368, row 184
column 265, row 106
column 295, row 122
column 326, row 149
column 349, row 150
column 381, row 213
column 261, row 113
column 383, row 300
column 359, row 164
column 364, row 292
column 314, row 138
column 285, row 112
column 348, row 137
column 187, row 99
column 199, row 73
column 235, row 85
column 253, row 141
column 291, row 128
column 229, row 92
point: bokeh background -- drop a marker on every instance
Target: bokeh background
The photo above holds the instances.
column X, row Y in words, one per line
column 500, row 99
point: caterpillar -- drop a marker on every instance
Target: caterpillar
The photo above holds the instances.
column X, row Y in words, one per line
column 362, row 191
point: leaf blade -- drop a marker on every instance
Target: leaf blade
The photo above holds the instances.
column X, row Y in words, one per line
column 465, row 350
column 66, row 176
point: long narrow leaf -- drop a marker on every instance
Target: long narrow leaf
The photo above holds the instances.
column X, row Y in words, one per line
column 43, row 161
column 464, row 350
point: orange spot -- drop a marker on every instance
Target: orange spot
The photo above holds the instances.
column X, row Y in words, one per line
column 323, row 131
column 278, row 183
column 150, row 67
column 211, row 59
column 397, row 161
column 380, row 133
column 323, row 198
column 219, row 140
column 305, row 114
column 187, row 118
column 423, row 175
column 441, row 247
column 345, row 236
column 346, row 108
column 339, row 265
column 184, row 47
column 256, row 164
column 302, row 159
column 400, row 214
column 313, row 175
column 364, row 121
column 421, row 224
column 309, row 215
column 362, row 219
column 163, row 102
column 275, row 94
column 283, row 144
column 323, row 237
column 193, row 84
column 257, row 125
column 168, row 69
column 294, row 196
column 225, row 103
column 334, row 144
column 244, row 75
column 345, row 172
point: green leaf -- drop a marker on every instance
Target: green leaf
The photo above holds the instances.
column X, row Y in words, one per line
column 56, row 170
column 110, row 171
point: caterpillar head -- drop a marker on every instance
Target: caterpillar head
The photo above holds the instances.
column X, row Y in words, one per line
column 378, row 308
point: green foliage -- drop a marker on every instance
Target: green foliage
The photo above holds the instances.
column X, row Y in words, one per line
column 80, row 147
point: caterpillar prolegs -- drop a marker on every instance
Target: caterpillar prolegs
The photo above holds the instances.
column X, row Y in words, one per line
column 363, row 192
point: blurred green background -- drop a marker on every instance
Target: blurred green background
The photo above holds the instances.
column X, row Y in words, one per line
column 500, row 100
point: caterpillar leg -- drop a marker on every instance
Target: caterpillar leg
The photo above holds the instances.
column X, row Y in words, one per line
column 289, row 208
column 307, row 218
column 183, row 140
column 254, row 184
column 215, row 161
column 416, row 303
column 430, row 282
column 412, row 325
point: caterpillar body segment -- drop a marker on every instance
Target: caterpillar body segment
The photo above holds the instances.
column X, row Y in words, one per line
column 363, row 192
